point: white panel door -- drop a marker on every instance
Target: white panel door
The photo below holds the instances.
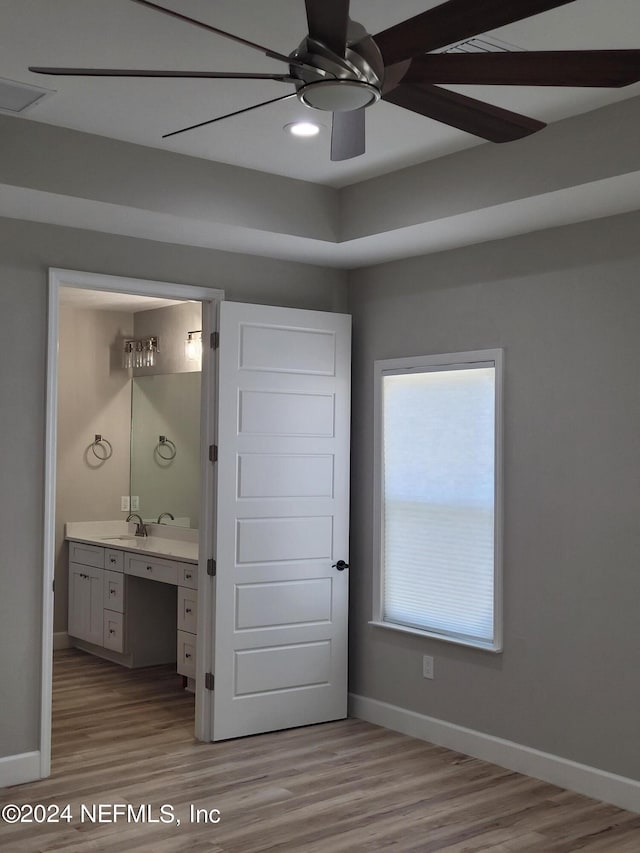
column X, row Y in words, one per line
column 281, row 519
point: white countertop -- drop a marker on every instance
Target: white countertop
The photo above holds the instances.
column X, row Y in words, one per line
column 178, row 543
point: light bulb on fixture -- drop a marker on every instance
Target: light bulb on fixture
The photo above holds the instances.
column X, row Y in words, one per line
column 302, row 129
column 127, row 354
column 193, row 346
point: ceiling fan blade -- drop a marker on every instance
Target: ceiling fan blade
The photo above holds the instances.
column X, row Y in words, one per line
column 227, row 115
column 609, row 68
column 272, row 54
column 146, row 72
column 476, row 117
column 454, row 21
column 328, row 21
column 347, row 135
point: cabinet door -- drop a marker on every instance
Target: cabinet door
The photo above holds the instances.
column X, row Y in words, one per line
column 78, row 600
column 86, row 594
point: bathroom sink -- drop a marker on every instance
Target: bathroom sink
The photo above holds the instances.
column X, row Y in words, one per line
column 125, row 538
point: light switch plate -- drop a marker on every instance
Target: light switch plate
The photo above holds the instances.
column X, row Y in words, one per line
column 135, row 502
column 124, row 503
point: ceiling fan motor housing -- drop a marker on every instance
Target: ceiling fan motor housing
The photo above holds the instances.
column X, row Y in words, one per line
column 336, row 83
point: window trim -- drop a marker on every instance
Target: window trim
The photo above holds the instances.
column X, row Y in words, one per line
column 420, row 364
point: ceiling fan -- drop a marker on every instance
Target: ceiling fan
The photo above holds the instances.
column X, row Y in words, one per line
column 340, row 68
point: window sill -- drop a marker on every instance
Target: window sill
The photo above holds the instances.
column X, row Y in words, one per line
column 495, row 648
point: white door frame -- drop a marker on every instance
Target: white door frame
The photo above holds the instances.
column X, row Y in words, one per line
column 210, row 297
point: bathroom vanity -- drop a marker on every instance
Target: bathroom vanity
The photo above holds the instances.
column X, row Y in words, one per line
column 133, row 599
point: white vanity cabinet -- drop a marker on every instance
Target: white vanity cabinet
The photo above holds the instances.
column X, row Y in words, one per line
column 132, row 608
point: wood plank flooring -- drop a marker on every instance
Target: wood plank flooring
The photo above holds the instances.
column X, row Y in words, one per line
column 124, row 737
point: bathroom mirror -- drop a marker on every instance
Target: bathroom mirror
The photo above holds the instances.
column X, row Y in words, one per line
column 165, row 447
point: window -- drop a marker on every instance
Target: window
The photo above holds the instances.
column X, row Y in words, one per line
column 438, row 496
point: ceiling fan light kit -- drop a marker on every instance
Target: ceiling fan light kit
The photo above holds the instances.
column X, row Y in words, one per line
column 340, row 68
column 338, row 95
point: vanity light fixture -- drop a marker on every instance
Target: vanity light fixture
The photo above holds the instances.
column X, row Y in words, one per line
column 193, row 346
column 141, row 352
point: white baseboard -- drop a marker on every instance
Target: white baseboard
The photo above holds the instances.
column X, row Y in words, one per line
column 61, row 640
column 599, row 784
column 16, row 769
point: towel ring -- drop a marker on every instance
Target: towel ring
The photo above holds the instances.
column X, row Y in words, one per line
column 165, row 444
column 106, row 450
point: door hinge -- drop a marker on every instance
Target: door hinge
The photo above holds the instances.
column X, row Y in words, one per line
column 209, row 681
column 211, row 567
column 215, row 340
column 213, row 453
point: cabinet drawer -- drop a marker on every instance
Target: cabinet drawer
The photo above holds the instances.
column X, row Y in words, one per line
column 187, row 609
column 113, row 560
column 187, row 575
column 113, row 631
column 154, row 568
column 186, row 654
column 114, row 591
column 88, row 555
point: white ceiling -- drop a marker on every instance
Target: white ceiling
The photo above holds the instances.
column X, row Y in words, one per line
column 109, row 33
column 103, row 300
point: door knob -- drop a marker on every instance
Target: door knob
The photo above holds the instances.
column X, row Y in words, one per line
column 340, row 565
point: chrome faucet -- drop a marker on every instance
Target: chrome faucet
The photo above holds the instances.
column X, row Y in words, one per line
column 162, row 515
column 141, row 527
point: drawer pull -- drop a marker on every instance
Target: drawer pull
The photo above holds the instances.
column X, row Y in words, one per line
column 187, row 655
column 149, row 568
column 187, row 610
column 188, row 576
column 112, row 559
column 112, row 592
column 112, row 630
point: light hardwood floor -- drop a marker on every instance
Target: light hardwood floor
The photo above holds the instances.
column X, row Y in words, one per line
column 127, row 737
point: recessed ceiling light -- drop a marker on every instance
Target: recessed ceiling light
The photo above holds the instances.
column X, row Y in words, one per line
column 302, row 129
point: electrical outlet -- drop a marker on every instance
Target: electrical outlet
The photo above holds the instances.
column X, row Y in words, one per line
column 427, row 666
column 124, row 503
column 135, row 502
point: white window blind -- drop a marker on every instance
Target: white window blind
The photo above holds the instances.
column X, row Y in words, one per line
column 438, row 503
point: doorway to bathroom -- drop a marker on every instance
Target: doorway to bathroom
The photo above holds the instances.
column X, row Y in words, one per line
column 130, row 416
column 272, row 559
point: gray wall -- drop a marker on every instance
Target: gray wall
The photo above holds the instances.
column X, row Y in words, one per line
column 565, row 305
column 86, row 166
column 94, row 396
column 26, row 251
